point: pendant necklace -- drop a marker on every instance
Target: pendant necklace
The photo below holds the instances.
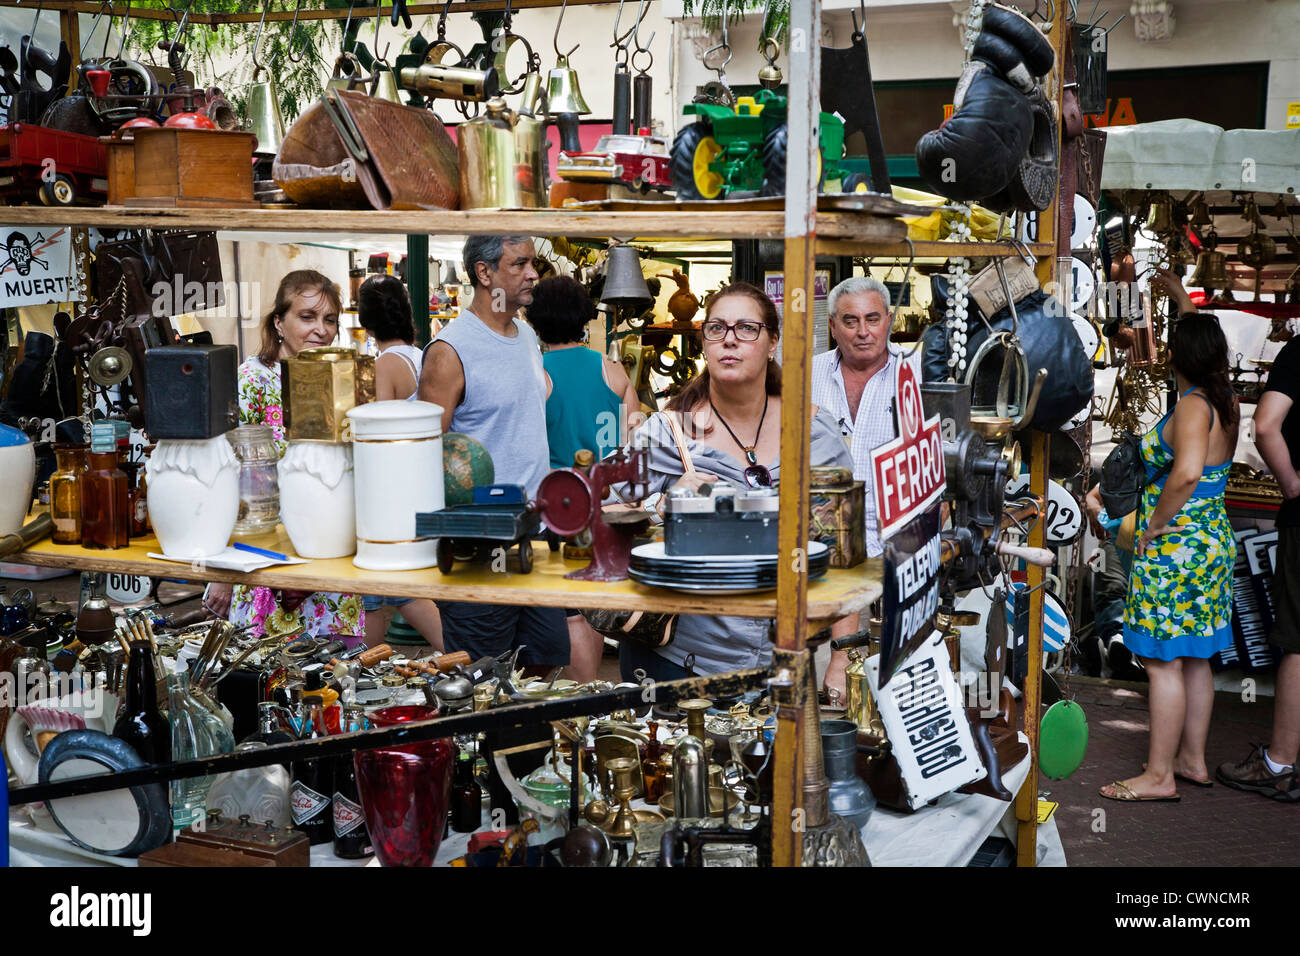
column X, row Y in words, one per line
column 750, row 454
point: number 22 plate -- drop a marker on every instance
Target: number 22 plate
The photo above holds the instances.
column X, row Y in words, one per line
column 1063, row 515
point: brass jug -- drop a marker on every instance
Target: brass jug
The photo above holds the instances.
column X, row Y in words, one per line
column 502, row 160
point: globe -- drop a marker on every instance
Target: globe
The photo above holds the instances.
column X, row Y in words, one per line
column 465, row 463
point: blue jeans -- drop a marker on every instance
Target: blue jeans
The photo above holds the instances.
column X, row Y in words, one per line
column 373, row 602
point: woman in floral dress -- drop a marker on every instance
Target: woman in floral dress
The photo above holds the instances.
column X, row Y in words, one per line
column 1179, row 610
column 306, row 315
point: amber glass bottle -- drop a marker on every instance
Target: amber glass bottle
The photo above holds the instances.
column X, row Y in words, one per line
column 65, row 492
column 105, row 514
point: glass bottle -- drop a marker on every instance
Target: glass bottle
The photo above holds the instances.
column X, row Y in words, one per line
column 197, row 730
column 313, row 781
column 141, row 724
column 351, row 839
column 105, row 519
column 65, row 491
column 466, row 797
column 269, row 728
column 136, row 503
column 259, row 484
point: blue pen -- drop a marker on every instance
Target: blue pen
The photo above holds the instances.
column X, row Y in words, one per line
column 262, row 551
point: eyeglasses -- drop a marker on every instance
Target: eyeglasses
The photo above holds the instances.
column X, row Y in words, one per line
column 715, row 330
column 757, row 476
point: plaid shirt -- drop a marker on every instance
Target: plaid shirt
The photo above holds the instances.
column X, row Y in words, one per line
column 869, row 429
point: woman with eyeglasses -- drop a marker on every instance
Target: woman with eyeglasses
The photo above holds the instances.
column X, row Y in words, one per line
column 728, row 420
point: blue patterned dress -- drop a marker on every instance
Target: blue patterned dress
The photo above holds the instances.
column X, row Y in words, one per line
column 1180, row 591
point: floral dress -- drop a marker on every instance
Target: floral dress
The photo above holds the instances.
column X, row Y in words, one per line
column 1180, row 591
column 332, row 615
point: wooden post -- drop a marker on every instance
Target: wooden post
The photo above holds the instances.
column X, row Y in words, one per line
column 1040, row 447
column 70, row 32
column 796, row 392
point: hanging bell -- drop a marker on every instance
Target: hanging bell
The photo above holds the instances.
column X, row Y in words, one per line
column 264, row 117
column 562, row 92
column 1257, row 250
column 1279, row 210
column 1180, row 257
column 1201, row 214
column 770, row 77
column 1161, row 219
column 383, row 85
column 1211, row 271
column 347, row 71
column 625, row 284
column 449, row 276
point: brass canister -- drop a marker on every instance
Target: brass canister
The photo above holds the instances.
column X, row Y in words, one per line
column 319, row 387
column 837, row 515
column 502, row 160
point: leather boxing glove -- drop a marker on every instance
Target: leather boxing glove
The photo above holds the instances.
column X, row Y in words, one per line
column 978, row 149
column 1018, row 30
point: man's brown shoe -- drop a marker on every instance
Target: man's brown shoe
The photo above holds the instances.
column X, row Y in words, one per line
column 1253, row 774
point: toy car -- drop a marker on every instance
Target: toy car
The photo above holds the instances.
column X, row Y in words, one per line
column 640, row 161
column 498, row 517
column 57, row 166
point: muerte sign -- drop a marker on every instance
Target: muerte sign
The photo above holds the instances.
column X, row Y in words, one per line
column 909, row 485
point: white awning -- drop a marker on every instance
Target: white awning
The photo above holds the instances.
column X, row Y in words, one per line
column 1184, row 154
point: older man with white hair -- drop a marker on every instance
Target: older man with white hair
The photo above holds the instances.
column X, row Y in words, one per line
column 855, row 382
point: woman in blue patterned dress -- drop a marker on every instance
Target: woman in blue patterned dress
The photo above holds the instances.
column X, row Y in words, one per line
column 1179, row 606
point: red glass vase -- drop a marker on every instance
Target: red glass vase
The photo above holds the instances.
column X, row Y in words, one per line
column 406, row 791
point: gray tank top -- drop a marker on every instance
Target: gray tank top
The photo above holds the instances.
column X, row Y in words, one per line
column 505, row 398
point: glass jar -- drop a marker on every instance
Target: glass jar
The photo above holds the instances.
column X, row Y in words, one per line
column 259, row 486
column 198, row 730
column 65, row 491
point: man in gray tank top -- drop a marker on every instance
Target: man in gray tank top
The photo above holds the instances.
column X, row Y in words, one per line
column 485, row 370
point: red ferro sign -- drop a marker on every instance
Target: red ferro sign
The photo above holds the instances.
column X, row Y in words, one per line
column 909, row 473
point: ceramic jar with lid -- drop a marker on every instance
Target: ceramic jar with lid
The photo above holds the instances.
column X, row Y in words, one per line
column 397, row 460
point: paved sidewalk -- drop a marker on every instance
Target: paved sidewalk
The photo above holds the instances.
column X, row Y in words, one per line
column 1209, row 827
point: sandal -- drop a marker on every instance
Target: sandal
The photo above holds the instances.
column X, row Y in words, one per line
column 1126, row 794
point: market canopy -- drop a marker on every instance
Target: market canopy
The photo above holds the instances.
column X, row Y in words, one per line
column 1187, row 154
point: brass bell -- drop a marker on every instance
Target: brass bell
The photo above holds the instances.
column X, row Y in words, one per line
column 383, row 85
column 1201, row 214
column 264, row 118
column 562, row 92
column 1279, row 210
column 1257, row 250
column 770, row 77
column 1161, row 219
column 1211, row 271
column 347, row 72
column 625, row 284
column 1180, row 257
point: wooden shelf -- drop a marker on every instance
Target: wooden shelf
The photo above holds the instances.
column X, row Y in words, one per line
column 838, row 594
column 926, row 248
column 541, row 222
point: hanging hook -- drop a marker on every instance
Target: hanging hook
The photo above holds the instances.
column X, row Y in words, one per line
column 642, row 50
column 347, row 26
column 724, row 45
column 555, row 38
column 126, row 25
column 859, row 27
column 94, row 25
column 442, row 20
column 293, row 32
column 257, row 40
column 381, row 57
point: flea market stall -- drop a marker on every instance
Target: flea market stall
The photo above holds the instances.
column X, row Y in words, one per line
column 348, row 747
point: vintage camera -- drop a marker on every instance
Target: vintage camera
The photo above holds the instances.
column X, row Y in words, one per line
column 721, row 519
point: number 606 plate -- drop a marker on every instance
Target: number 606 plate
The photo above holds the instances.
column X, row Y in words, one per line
column 127, row 588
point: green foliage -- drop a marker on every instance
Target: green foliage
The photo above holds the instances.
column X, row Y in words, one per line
column 211, row 49
column 710, row 13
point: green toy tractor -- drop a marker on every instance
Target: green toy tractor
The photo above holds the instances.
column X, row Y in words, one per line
column 744, row 150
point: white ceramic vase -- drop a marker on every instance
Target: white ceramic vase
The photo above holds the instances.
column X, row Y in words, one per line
column 193, row 496
column 18, row 466
column 317, row 500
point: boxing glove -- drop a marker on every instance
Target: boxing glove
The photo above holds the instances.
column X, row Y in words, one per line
column 978, row 149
